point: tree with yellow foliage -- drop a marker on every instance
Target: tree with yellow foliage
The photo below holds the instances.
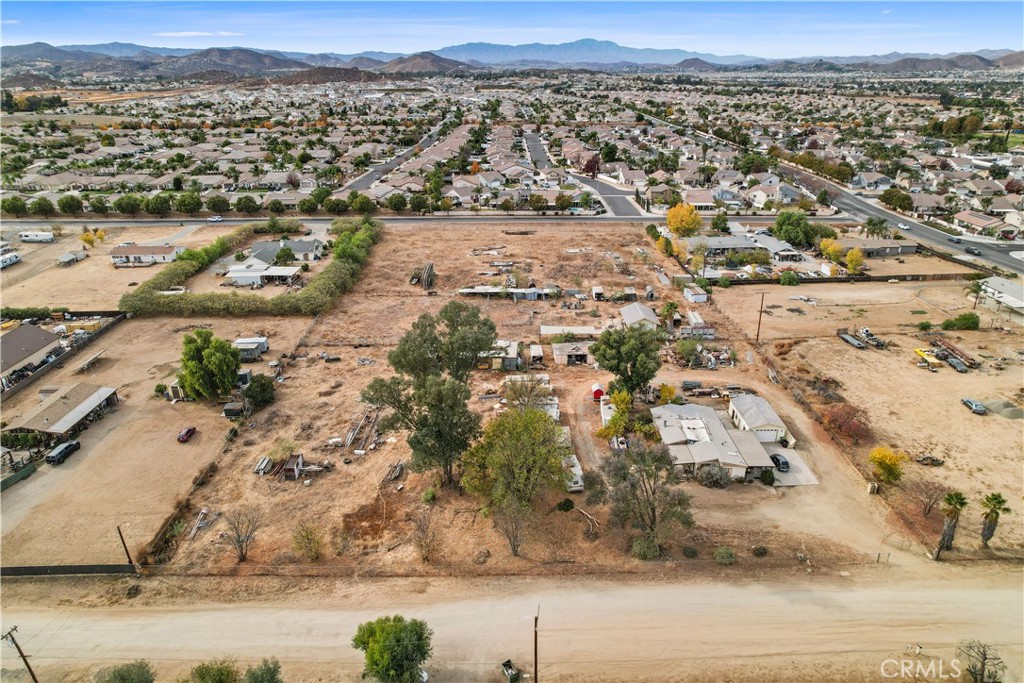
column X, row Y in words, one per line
column 87, row 239
column 855, row 260
column 888, row 464
column 684, row 220
column 831, row 249
column 665, row 246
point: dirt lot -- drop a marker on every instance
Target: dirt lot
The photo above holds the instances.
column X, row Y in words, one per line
column 130, row 470
column 371, row 523
column 92, row 284
column 918, row 411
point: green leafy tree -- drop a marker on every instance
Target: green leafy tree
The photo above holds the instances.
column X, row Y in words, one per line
column 218, row 204
column 216, row 671
column 188, row 202
column 275, row 206
column 320, row 195
column 138, row 671
column 994, row 505
column 450, row 342
column 247, row 205
column 335, row 206
column 563, row 202
column 964, row 321
column 446, row 205
column 397, row 202
column 953, row 505
column 209, row 366
column 158, row 205
column 823, row 198
column 641, row 483
column 308, row 206
column 267, row 671
column 519, row 456
column 720, row 223
column 129, row 204
column 13, row 206
column 284, row 256
column 362, row 204
column 70, row 205
column 418, row 203
column 98, row 205
column 435, row 412
column 897, row 199
column 630, row 353
column 537, row 202
column 260, row 392
column 395, row 648
column 507, row 205
column 42, row 207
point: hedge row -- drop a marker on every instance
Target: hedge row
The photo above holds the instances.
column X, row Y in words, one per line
column 25, row 312
column 353, row 242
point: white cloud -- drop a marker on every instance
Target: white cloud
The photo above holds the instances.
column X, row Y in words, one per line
column 9, row 21
column 887, row 11
column 195, row 34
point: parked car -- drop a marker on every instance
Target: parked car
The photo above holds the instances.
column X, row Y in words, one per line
column 973, row 250
column 956, row 364
column 185, row 434
column 977, row 407
column 954, row 240
column 780, row 462
column 215, row 219
column 903, row 226
column 60, row 453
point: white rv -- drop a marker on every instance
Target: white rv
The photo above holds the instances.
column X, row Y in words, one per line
column 35, row 236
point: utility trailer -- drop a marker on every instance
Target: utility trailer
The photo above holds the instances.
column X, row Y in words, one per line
column 844, row 334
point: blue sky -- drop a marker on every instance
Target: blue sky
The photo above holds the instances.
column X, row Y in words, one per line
column 765, row 29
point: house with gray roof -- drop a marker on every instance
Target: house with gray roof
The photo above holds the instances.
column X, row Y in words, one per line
column 304, row 250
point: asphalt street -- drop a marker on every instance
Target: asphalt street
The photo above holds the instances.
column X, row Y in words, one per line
column 377, row 170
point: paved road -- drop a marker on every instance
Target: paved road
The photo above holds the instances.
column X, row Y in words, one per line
column 377, row 170
column 618, row 200
column 589, row 630
column 538, row 154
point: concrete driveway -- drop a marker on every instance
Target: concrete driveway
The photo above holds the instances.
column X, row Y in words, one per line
column 799, row 473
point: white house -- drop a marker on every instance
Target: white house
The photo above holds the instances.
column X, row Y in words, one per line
column 143, row 255
column 638, row 314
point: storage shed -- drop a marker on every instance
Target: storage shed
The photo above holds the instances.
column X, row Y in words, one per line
column 572, row 353
column 596, row 391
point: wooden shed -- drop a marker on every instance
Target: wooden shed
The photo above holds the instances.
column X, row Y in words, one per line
column 293, row 467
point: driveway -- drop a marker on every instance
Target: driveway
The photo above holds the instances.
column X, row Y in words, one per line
column 538, row 154
column 799, row 473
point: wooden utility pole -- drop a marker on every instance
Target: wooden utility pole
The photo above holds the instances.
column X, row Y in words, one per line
column 760, row 312
column 125, row 545
column 9, row 636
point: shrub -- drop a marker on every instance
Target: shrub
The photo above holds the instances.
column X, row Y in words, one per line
column 724, row 555
column 768, row 477
column 138, row 671
column 160, row 390
column 924, row 325
column 430, row 496
column 645, row 548
column 964, row 321
column 689, row 551
column 713, row 476
column 759, row 551
column 260, row 392
column 566, row 505
column 308, row 541
column 12, row 313
column 887, row 464
column 789, row 279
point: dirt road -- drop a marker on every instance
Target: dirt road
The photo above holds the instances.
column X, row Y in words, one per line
column 813, row 630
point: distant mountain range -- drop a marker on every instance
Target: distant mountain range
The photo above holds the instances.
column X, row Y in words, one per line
column 133, row 60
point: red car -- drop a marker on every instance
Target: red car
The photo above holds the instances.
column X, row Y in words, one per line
column 185, row 434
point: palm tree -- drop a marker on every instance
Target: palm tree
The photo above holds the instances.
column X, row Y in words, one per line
column 952, row 505
column 994, row 505
column 974, row 287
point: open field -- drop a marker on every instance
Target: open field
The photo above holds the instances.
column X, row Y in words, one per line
column 910, row 408
column 92, row 284
column 130, row 470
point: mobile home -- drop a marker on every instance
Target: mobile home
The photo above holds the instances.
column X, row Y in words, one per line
column 30, row 236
